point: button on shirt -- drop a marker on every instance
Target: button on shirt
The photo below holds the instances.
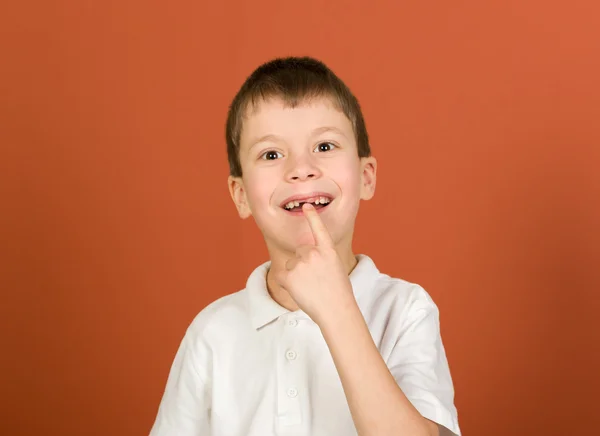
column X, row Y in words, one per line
column 249, row 367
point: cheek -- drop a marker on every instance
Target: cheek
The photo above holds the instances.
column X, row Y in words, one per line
column 259, row 189
column 347, row 176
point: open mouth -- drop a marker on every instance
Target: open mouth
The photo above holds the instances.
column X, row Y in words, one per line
column 294, row 206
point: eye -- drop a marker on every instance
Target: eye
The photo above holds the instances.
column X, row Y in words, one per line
column 271, row 155
column 324, row 146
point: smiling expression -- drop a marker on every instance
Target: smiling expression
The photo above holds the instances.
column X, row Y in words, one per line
column 294, row 155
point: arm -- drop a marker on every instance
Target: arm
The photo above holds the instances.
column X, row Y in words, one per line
column 377, row 404
column 185, row 405
column 378, row 397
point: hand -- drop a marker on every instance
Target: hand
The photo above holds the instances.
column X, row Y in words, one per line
column 316, row 278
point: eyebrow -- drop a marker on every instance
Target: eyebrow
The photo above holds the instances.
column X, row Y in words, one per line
column 326, row 129
column 316, row 132
column 270, row 137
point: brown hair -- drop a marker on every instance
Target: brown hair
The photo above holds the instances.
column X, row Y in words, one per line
column 293, row 79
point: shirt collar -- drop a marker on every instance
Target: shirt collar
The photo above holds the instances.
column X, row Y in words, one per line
column 263, row 309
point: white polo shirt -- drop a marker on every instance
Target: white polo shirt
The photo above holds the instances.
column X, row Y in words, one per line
column 249, row 367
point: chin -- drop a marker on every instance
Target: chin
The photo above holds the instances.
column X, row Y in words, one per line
column 305, row 239
column 289, row 244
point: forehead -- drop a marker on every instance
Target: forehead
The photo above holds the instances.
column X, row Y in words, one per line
column 275, row 117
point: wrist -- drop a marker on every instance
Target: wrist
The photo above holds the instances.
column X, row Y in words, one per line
column 346, row 311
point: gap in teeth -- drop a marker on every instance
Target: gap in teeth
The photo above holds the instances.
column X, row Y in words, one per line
column 318, row 200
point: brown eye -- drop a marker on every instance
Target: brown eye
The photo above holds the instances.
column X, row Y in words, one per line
column 324, row 146
column 271, row 155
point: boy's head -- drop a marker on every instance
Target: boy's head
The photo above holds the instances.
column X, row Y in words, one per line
column 295, row 132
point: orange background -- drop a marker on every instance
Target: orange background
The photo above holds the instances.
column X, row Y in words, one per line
column 117, row 227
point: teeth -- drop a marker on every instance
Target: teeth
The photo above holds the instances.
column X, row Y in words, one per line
column 318, row 200
column 322, row 200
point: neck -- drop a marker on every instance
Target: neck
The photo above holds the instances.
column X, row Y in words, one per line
column 278, row 262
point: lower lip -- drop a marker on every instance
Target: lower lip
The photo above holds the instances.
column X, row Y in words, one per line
column 301, row 213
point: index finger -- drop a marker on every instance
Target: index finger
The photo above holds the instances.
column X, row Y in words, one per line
column 320, row 232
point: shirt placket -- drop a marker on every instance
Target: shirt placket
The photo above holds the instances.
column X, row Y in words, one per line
column 290, row 375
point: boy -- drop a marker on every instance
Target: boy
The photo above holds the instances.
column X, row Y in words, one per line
column 319, row 342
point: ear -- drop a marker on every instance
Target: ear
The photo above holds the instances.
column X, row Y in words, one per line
column 238, row 195
column 368, row 167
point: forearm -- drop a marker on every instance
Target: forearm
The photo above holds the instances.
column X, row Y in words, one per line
column 377, row 404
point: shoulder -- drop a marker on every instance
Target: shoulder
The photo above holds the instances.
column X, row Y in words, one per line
column 204, row 335
column 220, row 317
column 375, row 288
column 402, row 293
column 397, row 306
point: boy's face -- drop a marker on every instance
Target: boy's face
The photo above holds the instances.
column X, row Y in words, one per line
column 305, row 153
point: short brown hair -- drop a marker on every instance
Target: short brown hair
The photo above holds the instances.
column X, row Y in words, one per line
column 293, row 79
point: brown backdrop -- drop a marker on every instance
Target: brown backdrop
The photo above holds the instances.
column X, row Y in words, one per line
column 117, row 227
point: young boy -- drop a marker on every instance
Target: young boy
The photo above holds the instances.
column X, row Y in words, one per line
column 319, row 342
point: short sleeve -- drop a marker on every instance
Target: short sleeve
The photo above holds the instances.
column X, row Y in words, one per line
column 185, row 406
column 418, row 363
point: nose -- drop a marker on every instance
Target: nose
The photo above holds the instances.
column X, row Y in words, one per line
column 301, row 168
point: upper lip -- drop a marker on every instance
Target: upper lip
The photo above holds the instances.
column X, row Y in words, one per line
column 304, row 197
